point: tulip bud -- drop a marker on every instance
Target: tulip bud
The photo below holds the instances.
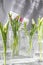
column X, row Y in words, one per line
column 21, row 19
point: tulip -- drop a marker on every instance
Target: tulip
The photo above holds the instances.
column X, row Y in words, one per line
column 4, row 31
column 40, row 34
column 31, row 34
column 15, row 24
column 21, row 19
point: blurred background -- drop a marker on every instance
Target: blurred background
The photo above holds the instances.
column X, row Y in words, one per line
column 26, row 8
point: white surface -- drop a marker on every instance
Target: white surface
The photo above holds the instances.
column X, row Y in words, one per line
column 23, row 60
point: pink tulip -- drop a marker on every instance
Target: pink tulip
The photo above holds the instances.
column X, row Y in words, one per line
column 21, row 19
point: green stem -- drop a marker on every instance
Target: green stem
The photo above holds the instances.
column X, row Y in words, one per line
column 4, row 55
column 40, row 46
column 30, row 45
column 40, row 26
column 15, row 46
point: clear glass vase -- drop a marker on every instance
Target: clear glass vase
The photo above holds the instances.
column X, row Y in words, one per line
column 24, row 45
column 14, row 44
column 38, row 47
